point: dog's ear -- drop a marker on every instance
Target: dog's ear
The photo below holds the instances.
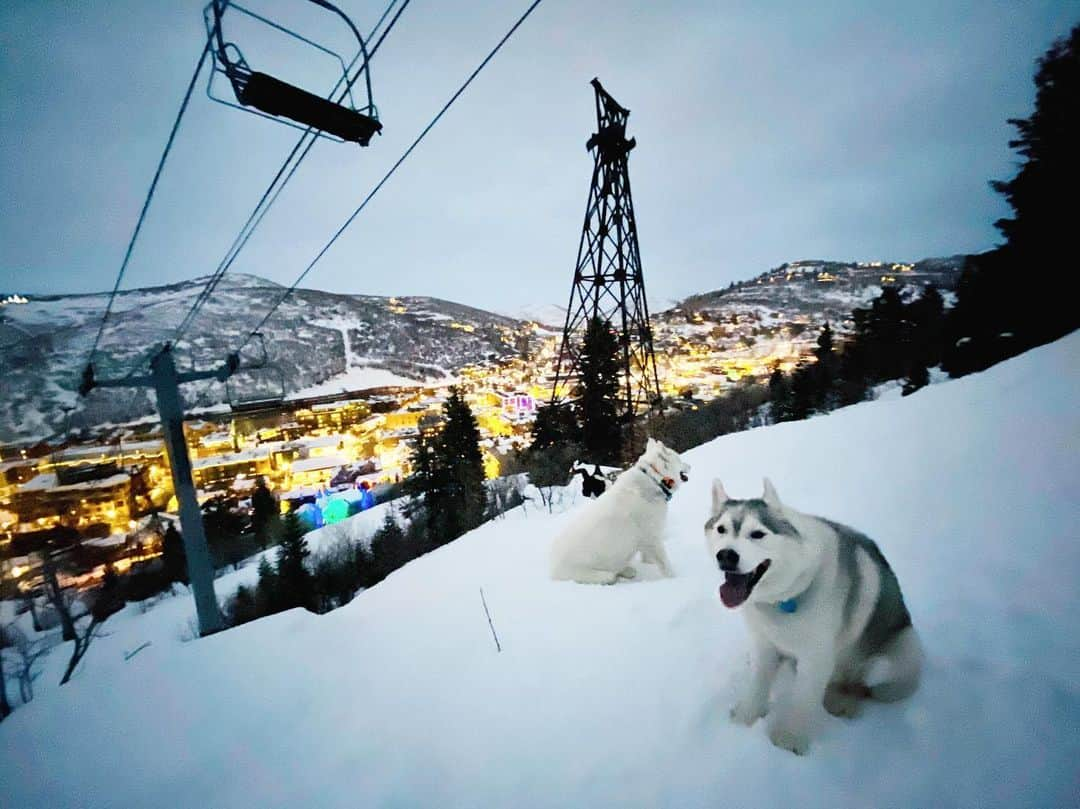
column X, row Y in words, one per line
column 770, row 496
column 650, row 443
column 719, row 496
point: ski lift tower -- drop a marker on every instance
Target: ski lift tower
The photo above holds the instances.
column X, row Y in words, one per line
column 608, row 283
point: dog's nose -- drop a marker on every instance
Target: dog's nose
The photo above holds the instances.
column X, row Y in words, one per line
column 727, row 559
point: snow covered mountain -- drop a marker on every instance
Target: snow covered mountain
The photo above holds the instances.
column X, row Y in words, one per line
column 819, row 291
column 618, row 696
column 324, row 342
column 320, row 341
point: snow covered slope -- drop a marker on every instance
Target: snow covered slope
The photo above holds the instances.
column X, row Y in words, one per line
column 618, row 696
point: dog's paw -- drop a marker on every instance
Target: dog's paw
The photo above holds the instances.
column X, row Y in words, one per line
column 747, row 712
column 845, row 704
column 628, row 572
column 797, row 741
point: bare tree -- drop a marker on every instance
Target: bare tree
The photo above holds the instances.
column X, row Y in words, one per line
column 106, row 601
column 59, row 599
column 23, row 658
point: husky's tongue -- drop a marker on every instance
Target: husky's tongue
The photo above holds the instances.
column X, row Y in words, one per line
column 737, row 586
column 735, row 589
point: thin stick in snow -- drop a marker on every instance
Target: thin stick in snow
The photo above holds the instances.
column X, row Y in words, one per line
column 483, row 600
column 129, row 655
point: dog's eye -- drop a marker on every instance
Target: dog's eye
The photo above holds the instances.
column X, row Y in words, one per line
column 684, row 477
column 757, row 535
column 721, row 529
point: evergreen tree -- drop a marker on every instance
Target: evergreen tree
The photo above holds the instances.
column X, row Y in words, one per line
column 174, row 557
column 223, row 525
column 266, row 591
column 802, row 393
column 243, row 607
column 778, row 396
column 882, row 335
column 1002, row 308
column 926, row 314
column 825, row 371
column 458, row 451
column 824, row 350
column 598, row 393
column 853, row 375
column 264, row 514
column 447, row 483
column 554, row 425
column 389, row 550
column 294, row 581
column 918, row 377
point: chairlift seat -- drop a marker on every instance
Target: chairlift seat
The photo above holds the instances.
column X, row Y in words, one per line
column 278, row 98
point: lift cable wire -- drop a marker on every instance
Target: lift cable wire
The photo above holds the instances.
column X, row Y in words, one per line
column 275, row 188
column 264, row 204
column 387, row 176
column 146, row 203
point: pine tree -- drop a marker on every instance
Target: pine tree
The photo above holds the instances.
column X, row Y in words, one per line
column 853, row 374
column 174, row 557
column 264, row 514
column 458, row 450
column 598, row 393
column 243, row 607
column 294, row 581
column 778, row 396
column 447, row 483
column 1041, row 232
column 1002, row 308
column 882, row 335
column 802, row 393
column 918, row 377
column 927, row 316
column 554, row 425
column 387, row 552
column 824, row 397
column 266, row 591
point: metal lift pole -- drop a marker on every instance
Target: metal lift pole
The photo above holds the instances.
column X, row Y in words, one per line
column 166, row 381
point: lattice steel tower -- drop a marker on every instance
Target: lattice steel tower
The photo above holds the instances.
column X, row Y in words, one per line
column 607, row 280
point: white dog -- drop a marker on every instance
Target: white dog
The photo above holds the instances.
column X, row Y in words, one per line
column 598, row 546
column 817, row 594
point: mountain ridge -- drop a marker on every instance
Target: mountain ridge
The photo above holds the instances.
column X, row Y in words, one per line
column 327, row 340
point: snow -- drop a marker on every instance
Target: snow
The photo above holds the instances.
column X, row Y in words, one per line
column 322, row 462
column 619, row 695
column 357, row 378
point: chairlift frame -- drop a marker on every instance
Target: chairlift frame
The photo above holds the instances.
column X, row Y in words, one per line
column 268, row 97
column 239, row 403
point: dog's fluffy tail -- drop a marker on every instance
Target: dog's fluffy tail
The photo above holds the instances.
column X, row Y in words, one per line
column 895, row 673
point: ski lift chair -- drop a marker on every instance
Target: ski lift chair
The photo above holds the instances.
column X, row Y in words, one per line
column 276, row 99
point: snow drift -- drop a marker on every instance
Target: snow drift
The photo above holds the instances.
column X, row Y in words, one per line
column 619, row 695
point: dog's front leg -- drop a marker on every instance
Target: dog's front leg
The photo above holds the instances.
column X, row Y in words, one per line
column 796, row 717
column 754, row 702
column 659, row 555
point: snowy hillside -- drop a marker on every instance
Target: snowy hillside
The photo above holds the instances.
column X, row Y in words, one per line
column 618, row 696
column 322, row 342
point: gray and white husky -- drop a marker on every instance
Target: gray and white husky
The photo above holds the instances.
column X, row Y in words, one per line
column 819, row 595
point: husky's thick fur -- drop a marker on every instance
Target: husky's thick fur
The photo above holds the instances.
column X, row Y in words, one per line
column 817, row 594
column 628, row 518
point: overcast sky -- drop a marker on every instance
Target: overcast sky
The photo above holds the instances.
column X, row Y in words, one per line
column 767, row 132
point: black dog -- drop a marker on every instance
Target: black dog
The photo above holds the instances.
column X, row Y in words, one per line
column 592, row 483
